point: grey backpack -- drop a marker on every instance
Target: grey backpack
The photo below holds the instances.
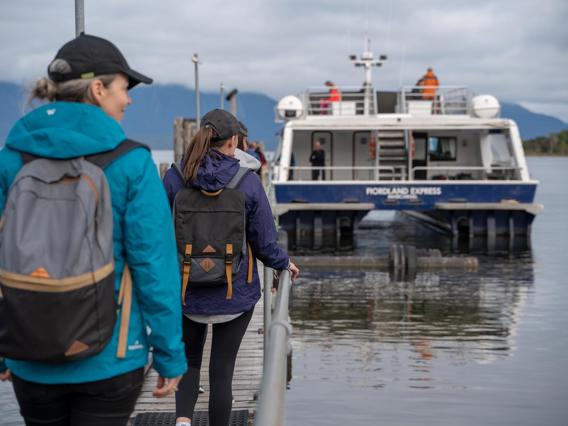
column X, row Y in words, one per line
column 56, row 261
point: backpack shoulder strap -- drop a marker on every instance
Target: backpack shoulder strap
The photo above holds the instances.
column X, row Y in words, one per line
column 241, row 173
column 104, row 159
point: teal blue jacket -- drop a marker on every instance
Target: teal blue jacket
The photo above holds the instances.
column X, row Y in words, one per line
column 143, row 236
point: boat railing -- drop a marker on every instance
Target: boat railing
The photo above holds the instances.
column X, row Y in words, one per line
column 297, row 173
column 484, row 172
column 270, row 407
column 435, row 100
column 343, row 101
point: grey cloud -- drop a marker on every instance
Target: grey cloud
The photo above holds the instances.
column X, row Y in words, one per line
column 513, row 49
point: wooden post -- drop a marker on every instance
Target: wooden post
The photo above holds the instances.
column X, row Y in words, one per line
column 184, row 130
column 163, row 169
column 232, row 98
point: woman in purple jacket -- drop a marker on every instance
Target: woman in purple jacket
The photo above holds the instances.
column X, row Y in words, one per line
column 209, row 164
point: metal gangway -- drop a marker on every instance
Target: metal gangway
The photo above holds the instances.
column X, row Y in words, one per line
column 260, row 375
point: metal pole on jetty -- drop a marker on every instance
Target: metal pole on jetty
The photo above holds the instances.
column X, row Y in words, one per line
column 222, row 91
column 195, row 60
column 79, row 17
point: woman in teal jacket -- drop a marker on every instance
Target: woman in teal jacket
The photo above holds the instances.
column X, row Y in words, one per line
column 89, row 79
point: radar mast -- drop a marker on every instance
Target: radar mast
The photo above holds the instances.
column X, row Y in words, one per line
column 367, row 60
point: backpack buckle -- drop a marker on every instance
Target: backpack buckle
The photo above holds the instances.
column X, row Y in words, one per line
column 229, row 254
column 186, row 270
column 187, row 254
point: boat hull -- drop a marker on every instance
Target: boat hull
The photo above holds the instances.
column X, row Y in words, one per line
column 404, row 196
column 324, row 215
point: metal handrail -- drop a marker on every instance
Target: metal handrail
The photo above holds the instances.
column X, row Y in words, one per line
column 460, row 168
column 452, row 100
column 270, row 407
column 352, row 101
column 393, row 170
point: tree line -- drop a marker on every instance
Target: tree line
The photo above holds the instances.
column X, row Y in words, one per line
column 553, row 144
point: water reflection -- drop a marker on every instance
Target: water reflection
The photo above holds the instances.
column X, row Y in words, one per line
column 371, row 331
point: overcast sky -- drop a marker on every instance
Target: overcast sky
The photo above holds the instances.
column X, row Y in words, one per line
column 514, row 49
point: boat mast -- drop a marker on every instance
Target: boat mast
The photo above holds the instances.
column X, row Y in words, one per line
column 368, row 61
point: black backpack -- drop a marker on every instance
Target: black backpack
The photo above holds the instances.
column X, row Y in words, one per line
column 210, row 230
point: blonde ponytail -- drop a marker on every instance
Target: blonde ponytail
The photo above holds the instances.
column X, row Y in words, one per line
column 76, row 90
column 44, row 89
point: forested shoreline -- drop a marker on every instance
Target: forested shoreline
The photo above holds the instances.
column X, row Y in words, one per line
column 555, row 144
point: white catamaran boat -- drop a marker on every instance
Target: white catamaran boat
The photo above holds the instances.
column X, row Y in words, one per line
column 447, row 160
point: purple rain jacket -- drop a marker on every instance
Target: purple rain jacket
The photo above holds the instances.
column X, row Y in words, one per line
column 215, row 172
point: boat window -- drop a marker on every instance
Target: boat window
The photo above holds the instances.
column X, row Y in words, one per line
column 500, row 149
column 442, row 148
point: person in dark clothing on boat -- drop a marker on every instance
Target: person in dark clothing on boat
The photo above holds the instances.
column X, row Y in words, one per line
column 209, row 165
column 317, row 159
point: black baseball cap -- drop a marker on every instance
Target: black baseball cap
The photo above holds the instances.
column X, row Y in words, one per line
column 222, row 122
column 90, row 56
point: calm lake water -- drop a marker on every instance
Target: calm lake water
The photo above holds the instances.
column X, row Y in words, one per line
column 460, row 348
column 483, row 348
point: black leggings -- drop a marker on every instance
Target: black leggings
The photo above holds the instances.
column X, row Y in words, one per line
column 225, row 344
column 106, row 402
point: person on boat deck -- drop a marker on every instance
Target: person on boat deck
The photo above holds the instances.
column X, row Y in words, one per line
column 428, row 84
column 334, row 95
column 317, row 159
column 209, row 165
column 87, row 89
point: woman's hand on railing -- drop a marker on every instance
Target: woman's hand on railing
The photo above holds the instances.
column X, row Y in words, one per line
column 294, row 271
column 6, row 375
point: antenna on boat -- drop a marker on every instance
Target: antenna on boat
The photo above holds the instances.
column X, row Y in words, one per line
column 367, row 60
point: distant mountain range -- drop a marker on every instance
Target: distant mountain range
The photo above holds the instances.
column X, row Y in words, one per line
column 151, row 115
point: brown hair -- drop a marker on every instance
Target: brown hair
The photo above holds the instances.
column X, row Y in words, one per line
column 202, row 142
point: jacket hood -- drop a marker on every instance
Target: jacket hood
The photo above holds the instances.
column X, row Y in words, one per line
column 247, row 160
column 65, row 130
column 216, row 171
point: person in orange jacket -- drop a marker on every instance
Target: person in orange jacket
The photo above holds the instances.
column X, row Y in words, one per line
column 429, row 83
column 334, row 96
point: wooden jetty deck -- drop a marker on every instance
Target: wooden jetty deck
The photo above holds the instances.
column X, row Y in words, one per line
column 246, row 379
